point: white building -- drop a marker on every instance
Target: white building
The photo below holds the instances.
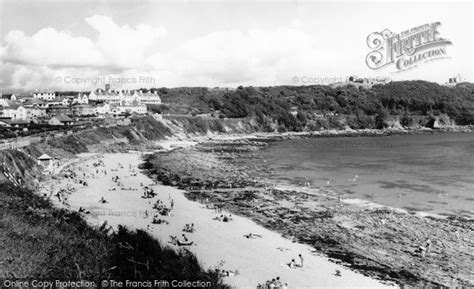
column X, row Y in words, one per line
column 452, row 81
column 81, row 98
column 113, row 96
column 4, row 102
column 44, row 96
column 102, row 109
column 133, row 107
column 35, row 112
column 15, row 111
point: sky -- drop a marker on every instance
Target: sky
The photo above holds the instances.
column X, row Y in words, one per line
column 81, row 45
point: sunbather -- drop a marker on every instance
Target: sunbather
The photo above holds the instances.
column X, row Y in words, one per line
column 292, row 264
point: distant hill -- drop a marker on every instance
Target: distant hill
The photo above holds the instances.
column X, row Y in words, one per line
column 294, row 108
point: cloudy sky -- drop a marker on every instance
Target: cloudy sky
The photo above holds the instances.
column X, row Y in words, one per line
column 80, row 45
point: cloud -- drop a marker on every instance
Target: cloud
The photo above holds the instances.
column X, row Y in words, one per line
column 221, row 58
column 123, row 46
column 50, row 47
column 237, row 57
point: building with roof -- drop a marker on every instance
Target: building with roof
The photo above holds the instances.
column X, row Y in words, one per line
column 15, row 111
column 114, row 96
column 61, row 120
column 82, row 109
column 81, row 98
column 45, row 160
column 44, row 96
column 35, row 102
column 5, row 122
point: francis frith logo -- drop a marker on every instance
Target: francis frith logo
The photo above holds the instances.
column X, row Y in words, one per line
column 407, row 49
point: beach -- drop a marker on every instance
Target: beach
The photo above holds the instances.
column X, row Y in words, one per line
column 217, row 244
column 378, row 240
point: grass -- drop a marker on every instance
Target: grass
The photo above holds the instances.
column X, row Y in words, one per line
column 40, row 241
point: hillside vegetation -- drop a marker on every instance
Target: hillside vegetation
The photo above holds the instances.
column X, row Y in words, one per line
column 296, row 108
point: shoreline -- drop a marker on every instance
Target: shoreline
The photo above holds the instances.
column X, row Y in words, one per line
column 344, row 227
column 339, row 255
column 272, row 137
column 256, row 259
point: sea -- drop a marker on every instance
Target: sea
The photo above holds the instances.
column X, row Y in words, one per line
column 431, row 173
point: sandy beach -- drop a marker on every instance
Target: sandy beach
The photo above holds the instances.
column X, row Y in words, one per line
column 217, row 244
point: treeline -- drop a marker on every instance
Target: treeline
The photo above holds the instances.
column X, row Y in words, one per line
column 295, row 108
column 42, row 242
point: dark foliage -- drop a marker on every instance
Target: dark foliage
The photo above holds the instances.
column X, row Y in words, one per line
column 363, row 108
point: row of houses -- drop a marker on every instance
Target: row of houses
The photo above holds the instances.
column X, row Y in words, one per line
column 114, row 96
column 29, row 113
column 103, row 95
column 43, row 106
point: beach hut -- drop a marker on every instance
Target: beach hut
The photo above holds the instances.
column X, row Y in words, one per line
column 45, row 160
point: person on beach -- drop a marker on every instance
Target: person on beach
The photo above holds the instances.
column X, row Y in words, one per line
column 301, row 260
column 58, row 195
column 172, row 204
column 292, row 264
column 278, row 282
column 252, row 236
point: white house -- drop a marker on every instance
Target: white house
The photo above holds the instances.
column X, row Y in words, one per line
column 116, row 109
column 60, row 120
column 4, row 102
column 134, row 106
column 129, row 96
column 83, row 109
column 35, row 112
column 102, row 109
column 81, row 98
column 45, row 161
column 44, row 96
column 15, row 111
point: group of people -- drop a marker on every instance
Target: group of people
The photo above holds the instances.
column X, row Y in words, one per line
column 148, row 193
column 189, row 228
column 158, row 220
column 84, row 211
column 160, row 207
column 275, row 283
column 223, row 218
column 226, row 273
column 294, row 265
column 184, row 241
